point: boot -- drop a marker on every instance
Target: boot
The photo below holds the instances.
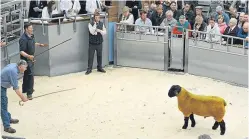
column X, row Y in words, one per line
column 29, row 97
column 14, row 121
column 10, row 130
column 222, row 127
column 101, row 70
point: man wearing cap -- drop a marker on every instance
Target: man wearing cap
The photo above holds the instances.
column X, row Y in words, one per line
column 181, row 25
column 198, row 11
column 126, row 18
column 9, row 77
column 219, row 11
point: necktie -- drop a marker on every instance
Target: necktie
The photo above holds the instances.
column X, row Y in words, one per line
column 97, row 3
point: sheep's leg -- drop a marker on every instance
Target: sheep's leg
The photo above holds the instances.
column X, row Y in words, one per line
column 192, row 120
column 222, row 127
column 185, row 123
column 215, row 126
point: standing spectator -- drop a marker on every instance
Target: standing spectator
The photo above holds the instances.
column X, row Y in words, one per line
column 198, row 11
column 70, row 7
column 9, row 77
column 27, row 50
column 49, row 10
column 35, row 8
column 243, row 33
column 173, row 9
column 222, row 25
column 135, row 5
column 231, row 30
column 143, row 21
column 96, row 31
column 93, row 6
column 181, row 26
column 126, row 18
column 169, row 20
column 213, row 31
column 158, row 16
column 219, row 11
column 164, row 3
column 187, row 12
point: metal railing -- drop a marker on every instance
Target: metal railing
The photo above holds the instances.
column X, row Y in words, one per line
column 70, row 18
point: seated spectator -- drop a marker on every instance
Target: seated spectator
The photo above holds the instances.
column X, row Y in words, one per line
column 231, row 30
column 243, row 33
column 169, row 20
column 49, row 10
column 213, row 31
column 245, row 18
column 135, row 5
column 126, row 18
column 233, row 13
column 143, row 21
column 241, row 19
column 187, row 12
column 158, row 16
column 199, row 26
column 222, row 25
column 70, row 7
column 165, row 4
column 219, row 11
column 148, row 10
column 198, row 11
column 173, row 9
column 181, row 26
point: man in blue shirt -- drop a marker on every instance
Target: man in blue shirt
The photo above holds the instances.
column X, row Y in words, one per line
column 9, row 77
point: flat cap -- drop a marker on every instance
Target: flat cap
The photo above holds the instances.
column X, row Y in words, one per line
column 198, row 7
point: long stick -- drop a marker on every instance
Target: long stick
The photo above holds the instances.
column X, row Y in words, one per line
column 53, row 47
column 9, row 137
column 21, row 104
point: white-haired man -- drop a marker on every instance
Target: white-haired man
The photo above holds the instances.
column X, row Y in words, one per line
column 9, row 77
column 231, row 30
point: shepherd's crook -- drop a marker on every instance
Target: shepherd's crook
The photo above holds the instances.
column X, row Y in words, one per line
column 21, row 103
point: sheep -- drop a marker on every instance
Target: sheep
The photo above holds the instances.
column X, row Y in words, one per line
column 190, row 104
column 204, row 136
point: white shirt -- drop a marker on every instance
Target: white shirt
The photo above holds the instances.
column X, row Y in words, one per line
column 91, row 6
column 128, row 21
column 67, row 5
column 45, row 12
column 215, row 32
column 93, row 29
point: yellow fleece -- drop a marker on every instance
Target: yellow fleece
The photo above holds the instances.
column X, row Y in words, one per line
column 201, row 105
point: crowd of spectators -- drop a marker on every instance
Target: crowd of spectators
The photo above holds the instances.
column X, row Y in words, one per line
column 161, row 13
column 190, row 16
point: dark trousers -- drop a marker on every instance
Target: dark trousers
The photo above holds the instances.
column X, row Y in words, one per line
column 28, row 79
column 91, row 51
column 5, row 115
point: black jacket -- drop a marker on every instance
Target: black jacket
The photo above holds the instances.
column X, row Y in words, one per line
column 134, row 11
column 33, row 4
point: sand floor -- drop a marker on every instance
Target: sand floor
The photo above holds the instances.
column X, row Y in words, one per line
column 124, row 103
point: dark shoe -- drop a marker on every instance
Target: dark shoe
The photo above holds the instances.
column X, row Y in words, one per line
column 10, row 130
column 29, row 97
column 14, row 121
column 88, row 72
column 101, row 70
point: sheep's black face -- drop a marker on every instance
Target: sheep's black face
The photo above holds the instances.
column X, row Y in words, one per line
column 174, row 90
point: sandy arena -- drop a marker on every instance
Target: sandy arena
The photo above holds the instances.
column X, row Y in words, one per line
column 124, row 103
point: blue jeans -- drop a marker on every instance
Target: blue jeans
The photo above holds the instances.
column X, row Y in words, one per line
column 5, row 115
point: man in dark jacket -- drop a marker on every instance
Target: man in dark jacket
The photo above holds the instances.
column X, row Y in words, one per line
column 35, row 8
column 158, row 16
column 27, row 50
column 187, row 12
column 96, row 30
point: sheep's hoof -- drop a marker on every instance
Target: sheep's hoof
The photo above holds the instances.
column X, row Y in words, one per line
column 222, row 133
column 214, row 127
column 184, row 127
column 193, row 125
